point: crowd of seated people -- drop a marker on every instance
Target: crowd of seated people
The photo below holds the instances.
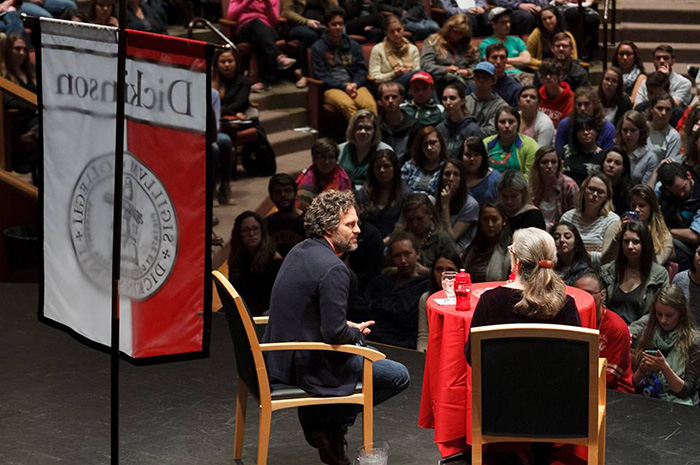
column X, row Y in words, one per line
column 451, row 147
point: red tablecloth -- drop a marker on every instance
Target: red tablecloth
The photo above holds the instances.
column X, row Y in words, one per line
column 446, row 400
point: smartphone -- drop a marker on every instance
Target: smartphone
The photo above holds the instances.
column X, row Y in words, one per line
column 632, row 215
column 653, row 352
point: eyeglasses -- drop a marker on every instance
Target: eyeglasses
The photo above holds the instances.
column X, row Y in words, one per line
column 251, row 229
column 593, row 190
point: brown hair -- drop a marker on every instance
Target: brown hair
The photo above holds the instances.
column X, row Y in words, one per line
column 460, row 23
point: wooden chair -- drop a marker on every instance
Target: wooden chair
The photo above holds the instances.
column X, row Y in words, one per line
column 253, row 379
column 538, row 383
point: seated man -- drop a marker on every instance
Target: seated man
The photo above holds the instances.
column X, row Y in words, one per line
column 423, row 107
column 286, row 225
column 680, row 204
column 505, row 86
column 681, row 87
column 556, row 97
column 615, row 340
column 309, row 304
column 657, row 83
column 304, row 19
column 338, row 62
column 397, row 127
column 516, row 49
column 391, row 299
column 572, row 72
column 483, row 103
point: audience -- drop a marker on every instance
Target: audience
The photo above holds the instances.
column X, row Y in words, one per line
column 614, row 336
column 477, row 15
column 420, row 219
column 633, row 279
column 395, row 58
column 422, row 172
column 643, row 201
column 102, row 12
column 423, row 107
column 679, row 200
column 611, row 94
column 482, row 180
column 487, row 257
column 514, row 195
column 571, row 71
column 541, row 41
column 556, row 97
column 253, row 262
column 397, row 128
column 522, row 12
column 533, row 122
column 508, row 149
column 591, row 22
column 457, row 123
column 552, row 191
column 305, row 19
column 616, row 167
column 286, row 225
column 363, row 139
column 413, row 15
column 663, row 138
column 143, row 16
column 657, row 84
column 681, row 86
column 457, row 211
column 632, row 136
column 586, row 102
column 582, row 156
column 572, row 259
column 595, row 219
column 391, row 299
column 449, row 51
column 505, row 86
column 627, row 59
column 363, row 19
column 689, row 282
column 484, row 103
column 382, row 196
column 255, row 23
column 324, row 173
column 345, row 75
column 517, row 54
column 673, row 372
column 448, row 261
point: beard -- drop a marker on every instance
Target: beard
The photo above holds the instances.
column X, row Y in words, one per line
column 341, row 244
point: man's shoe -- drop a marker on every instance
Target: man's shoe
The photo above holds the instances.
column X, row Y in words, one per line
column 331, row 447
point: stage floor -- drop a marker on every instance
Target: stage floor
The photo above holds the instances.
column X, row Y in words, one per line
column 54, row 407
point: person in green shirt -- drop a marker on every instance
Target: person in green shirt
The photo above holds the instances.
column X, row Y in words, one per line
column 518, row 56
column 508, row 149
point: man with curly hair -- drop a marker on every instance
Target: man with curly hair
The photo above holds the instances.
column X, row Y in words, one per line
column 309, row 304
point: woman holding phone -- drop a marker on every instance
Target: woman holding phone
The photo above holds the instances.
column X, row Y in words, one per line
column 667, row 357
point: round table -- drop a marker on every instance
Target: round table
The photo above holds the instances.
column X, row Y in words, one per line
column 446, row 399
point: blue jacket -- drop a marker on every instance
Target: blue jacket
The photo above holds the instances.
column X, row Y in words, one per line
column 323, row 54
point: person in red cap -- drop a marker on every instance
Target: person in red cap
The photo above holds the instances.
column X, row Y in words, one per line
column 423, row 107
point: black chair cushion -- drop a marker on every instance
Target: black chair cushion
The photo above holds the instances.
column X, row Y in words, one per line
column 281, row 391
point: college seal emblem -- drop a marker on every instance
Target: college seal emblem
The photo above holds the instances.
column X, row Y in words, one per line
column 148, row 230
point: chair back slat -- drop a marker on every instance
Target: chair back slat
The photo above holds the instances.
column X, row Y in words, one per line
column 243, row 334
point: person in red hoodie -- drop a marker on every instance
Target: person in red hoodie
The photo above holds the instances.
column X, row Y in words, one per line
column 556, row 97
column 614, row 342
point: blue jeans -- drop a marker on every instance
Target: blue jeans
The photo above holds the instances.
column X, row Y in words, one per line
column 50, row 8
column 10, row 23
column 388, row 379
column 223, row 150
column 422, row 28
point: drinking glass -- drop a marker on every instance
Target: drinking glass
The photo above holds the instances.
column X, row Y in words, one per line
column 448, row 284
column 376, row 453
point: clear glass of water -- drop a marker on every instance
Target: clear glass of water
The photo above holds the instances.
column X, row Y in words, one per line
column 448, row 284
column 376, row 453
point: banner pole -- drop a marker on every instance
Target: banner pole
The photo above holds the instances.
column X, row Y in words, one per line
column 116, row 234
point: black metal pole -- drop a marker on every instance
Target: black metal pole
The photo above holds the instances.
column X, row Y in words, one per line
column 116, row 233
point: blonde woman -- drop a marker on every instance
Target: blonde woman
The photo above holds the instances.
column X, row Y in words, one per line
column 595, row 218
column 643, row 201
column 449, row 50
column 667, row 358
column 364, row 138
column 395, row 58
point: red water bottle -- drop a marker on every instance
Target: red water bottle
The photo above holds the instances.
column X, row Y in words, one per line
column 463, row 291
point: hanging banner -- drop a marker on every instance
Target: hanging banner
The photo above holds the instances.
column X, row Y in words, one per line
column 164, row 283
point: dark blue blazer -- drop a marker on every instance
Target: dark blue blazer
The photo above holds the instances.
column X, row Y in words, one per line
column 309, row 304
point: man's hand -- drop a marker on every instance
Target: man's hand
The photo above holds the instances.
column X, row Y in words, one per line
column 531, row 7
column 475, row 11
column 313, row 24
column 364, row 326
column 664, row 69
column 351, row 89
column 464, row 72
